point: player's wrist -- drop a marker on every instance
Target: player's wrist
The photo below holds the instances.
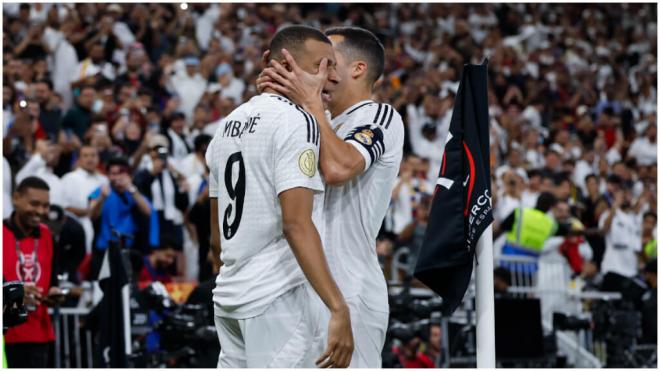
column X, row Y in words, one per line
column 340, row 308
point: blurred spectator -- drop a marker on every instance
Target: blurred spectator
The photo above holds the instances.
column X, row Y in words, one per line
column 78, row 119
column 78, row 185
column 95, row 66
column 434, row 345
column 408, row 190
column 115, row 205
column 157, row 265
column 68, row 243
column 165, row 188
column 179, row 140
column 413, row 234
column 644, row 149
column 195, row 163
column 622, row 229
column 529, row 228
column 41, row 164
column 189, row 85
column 410, row 356
column 50, row 113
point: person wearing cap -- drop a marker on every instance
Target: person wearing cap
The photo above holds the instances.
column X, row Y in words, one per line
column 164, row 187
column 231, row 87
column 189, row 84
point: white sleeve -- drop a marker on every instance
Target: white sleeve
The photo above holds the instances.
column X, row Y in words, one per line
column 381, row 140
column 212, row 163
column 297, row 153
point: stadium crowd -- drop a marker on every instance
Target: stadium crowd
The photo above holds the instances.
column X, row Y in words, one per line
column 113, row 106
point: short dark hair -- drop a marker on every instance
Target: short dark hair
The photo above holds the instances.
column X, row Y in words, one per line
column 45, row 81
column 201, row 141
column 651, row 214
column 362, row 44
column 293, row 39
column 546, row 201
column 32, row 182
column 586, row 178
column 117, row 161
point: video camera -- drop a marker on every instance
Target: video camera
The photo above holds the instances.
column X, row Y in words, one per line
column 184, row 331
column 14, row 312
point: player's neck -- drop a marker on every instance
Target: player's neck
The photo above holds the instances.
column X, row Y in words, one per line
column 353, row 97
column 273, row 91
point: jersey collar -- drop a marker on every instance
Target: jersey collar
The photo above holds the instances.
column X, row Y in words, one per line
column 351, row 110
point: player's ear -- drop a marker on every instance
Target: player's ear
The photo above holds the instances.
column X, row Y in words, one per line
column 265, row 58
column 358, row 69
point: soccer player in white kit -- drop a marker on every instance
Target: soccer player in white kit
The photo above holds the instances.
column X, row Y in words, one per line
column 265, row 192
column 361, row 150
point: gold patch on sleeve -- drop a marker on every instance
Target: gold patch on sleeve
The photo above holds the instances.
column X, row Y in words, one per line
column 307, row 162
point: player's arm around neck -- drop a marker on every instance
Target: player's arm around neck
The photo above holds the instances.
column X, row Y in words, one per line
column 339, row 161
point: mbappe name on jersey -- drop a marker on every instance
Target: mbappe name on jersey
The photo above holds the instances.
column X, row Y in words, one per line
column 237, row 128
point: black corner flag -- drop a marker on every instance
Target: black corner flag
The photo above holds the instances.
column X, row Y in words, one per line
column 461, row 208
column 114, row 332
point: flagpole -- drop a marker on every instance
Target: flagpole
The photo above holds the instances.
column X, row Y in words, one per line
column 485, row 298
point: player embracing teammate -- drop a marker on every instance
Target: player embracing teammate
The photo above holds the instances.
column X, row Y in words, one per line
column 358, row 153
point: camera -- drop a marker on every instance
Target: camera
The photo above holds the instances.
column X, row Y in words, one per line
column 162, row 153
column 14, row 312
column 186, row 337
column 563, row 322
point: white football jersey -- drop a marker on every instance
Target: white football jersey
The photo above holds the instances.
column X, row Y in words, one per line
column 266, row 146
column 354, row 211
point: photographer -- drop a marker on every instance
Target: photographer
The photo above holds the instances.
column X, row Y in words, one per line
column 114, row 206
column 28, row 256
column 164, row 187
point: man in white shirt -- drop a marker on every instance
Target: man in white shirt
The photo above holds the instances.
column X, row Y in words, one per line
column 78, row 185
column 361, row 150
column 623, row 233
column 644, row 149
column 190, row 85
column 194, row 163
column 266, row 194
column 93, row 67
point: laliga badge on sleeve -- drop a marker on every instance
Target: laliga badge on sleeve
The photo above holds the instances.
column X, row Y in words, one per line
column 307, row 162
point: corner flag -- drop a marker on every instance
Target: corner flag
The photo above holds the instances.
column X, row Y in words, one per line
column 461, row 209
